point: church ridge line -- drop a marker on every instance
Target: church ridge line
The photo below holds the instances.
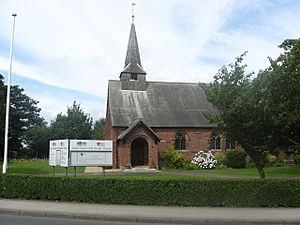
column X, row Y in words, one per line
column 166, row 82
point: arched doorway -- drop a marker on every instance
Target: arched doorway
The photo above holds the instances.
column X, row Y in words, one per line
column 139, row 152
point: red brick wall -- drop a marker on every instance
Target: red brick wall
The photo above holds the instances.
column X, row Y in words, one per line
column 111, row 133
column 196, row 139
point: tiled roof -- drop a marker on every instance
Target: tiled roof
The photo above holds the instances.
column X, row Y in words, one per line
column 137, row 123
column 133, row 60
column 163, row 104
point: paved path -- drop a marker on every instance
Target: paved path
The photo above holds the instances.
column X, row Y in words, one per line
column 152, row 214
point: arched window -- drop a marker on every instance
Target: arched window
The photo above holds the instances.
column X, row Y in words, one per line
column 215, row 142
column 180, row 142
column 230, row 144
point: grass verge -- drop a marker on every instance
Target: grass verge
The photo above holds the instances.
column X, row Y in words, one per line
column 36, row 167
column 285, row 171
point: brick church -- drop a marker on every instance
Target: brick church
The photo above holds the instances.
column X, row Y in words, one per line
column 144, row 118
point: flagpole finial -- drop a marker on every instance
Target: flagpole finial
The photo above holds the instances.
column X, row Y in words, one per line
column 132, row 8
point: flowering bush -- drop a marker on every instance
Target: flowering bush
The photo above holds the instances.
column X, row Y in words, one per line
column 205, row 160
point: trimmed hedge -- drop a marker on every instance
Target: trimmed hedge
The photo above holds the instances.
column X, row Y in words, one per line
column 189, row 191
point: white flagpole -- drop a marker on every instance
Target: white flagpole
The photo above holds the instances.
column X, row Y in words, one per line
column 5, row 166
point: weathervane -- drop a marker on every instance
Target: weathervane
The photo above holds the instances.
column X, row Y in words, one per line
column 132, row 8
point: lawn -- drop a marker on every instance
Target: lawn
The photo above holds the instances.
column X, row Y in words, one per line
column 40, row 167
column 284, row 171
column 36, row 167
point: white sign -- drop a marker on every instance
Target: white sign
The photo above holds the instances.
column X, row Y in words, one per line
column 91, row 158
column 91, row 145
column 91, row 153
column 52, row 154
column 59, row 153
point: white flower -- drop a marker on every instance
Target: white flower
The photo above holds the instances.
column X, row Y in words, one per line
column 204, row 160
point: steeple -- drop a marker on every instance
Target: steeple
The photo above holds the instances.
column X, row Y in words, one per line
column 133, row 76
column 133, row 60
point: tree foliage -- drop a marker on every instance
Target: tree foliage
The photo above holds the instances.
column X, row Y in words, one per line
column 37, row 141
column 261, row 114
column 241, row 115
column 29, row 134
column 76, row 124
column 281, row 86
column 97, row 132
column 24, row 114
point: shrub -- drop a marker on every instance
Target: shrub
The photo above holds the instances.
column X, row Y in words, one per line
column 205, row 160
column 250, row 163
column 296, row 157
column 164, row 191
column 172, row 158
column 236, row 159
column 278, row 163
column 270, row 159
column 190, row 166
column 220, row 157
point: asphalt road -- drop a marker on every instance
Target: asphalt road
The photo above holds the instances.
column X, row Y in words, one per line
column 33, row 212
column 30, row 220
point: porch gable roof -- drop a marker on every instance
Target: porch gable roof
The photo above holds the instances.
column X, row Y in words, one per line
column 137, row 123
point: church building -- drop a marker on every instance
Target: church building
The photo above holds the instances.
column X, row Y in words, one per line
column 144, row 117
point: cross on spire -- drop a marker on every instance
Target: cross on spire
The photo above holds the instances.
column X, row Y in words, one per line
column 132, row 8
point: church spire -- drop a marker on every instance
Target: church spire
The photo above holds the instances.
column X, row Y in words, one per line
column 133, row 60
column 133, row 76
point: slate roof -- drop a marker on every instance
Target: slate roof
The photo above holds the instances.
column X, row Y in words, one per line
column 163, row 104
column 133, row 60
column 139, row 122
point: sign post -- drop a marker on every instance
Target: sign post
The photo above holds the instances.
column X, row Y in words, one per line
column 76, row 153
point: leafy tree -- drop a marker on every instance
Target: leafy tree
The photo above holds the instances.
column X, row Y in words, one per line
column 76, row 124
column 23, row 115
column 37, row 141
column 281, row 85
column 97, row 132
column 242, row 116
column 262, row 114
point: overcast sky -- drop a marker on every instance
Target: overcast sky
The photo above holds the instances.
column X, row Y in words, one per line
column 67, row 50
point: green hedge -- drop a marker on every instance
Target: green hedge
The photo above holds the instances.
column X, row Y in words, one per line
column 155, row 191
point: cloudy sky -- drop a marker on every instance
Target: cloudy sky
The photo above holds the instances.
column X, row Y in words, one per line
column 67, row 50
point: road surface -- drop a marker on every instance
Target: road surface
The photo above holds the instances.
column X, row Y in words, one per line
column 31, row 220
